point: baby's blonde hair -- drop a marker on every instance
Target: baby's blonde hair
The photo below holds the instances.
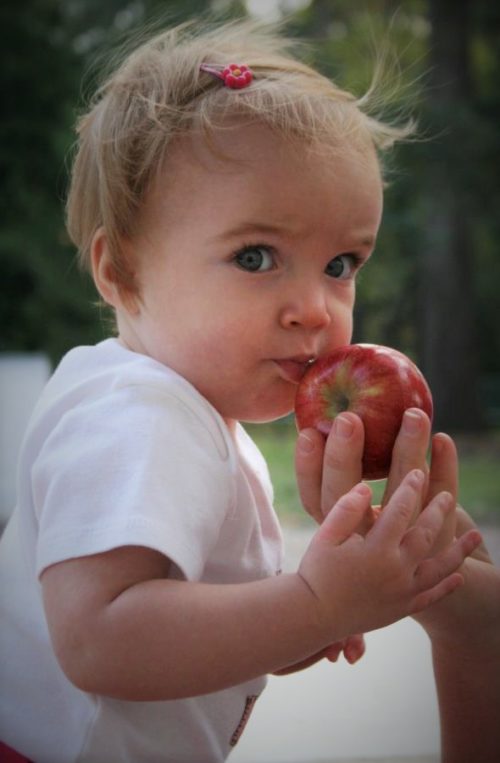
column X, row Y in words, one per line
column 158, row 92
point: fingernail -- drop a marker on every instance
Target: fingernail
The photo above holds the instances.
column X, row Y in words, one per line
column 440, row 442
column 343, row 427
column 445, row 500
column 351, row 656
column 305, row 444
column 362, row 488
column 411, row 423
column 416, row 477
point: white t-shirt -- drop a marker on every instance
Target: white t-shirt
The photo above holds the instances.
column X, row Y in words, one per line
column 123, row 451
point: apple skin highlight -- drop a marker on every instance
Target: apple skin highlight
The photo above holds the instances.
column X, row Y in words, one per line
column 377, row 383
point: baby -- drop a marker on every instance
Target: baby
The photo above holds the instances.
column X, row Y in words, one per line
column 224, row 197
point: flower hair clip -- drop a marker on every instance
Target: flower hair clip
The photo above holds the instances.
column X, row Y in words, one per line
column 234, row 76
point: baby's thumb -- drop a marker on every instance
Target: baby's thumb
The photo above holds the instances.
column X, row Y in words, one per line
column 346, row 516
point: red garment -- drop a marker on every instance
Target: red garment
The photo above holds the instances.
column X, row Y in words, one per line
column 8, row 755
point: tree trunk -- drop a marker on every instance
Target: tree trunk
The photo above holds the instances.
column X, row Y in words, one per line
column 449, row 348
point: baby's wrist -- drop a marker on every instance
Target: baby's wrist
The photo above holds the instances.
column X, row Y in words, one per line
column 320, row 624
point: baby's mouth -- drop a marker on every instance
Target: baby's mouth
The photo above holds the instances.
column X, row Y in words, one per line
column 293, row 369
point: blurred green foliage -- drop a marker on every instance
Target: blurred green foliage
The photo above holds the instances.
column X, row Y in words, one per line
column 445, row 181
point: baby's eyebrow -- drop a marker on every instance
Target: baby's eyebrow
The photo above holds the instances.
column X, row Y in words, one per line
column 252, row 228
column 249, row 228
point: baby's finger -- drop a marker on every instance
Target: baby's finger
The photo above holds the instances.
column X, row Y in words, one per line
column 433, row 595
column 354, row 648
column 395, row 519
column 430, row 572
column 309, row 469
column 420, row 539
column 410, row 449
column 345, row 517
column 333, row 652
column 342, row 459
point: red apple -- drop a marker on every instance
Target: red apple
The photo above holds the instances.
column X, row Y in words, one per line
column 377, row 383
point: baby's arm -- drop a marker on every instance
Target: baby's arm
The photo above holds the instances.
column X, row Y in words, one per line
column 121, row 628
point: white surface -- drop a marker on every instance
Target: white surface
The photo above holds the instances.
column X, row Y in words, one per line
column 383, row 706
column 22, row 378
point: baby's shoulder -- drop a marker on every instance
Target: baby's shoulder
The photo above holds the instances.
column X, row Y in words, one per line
column 108, row 385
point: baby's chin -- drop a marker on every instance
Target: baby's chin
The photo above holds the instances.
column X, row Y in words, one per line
column 267, row 417
column 260, row 408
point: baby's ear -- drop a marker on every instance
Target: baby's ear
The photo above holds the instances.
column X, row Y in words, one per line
column 108, row 282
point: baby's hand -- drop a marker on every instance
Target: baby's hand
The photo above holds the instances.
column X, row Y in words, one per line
column 363, row 583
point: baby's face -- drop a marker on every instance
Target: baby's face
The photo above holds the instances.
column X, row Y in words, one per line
column 247, row 268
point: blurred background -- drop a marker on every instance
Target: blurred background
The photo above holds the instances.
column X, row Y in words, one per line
column 431, row 290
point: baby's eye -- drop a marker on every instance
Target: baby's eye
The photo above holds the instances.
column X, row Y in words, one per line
column 255, row 259
column 343, row 267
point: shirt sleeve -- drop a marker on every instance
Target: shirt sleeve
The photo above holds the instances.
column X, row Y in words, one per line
column 138, row 466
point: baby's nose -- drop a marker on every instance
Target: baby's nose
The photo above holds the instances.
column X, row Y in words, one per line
column 307, row 309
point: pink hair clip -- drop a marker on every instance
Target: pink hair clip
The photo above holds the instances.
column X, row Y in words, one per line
column 234, row 76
